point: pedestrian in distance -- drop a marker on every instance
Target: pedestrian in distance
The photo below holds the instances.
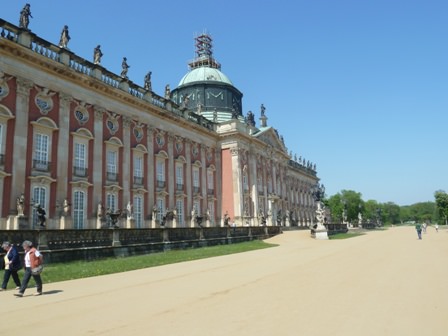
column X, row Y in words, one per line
column 33, row 268
column 418, row 228
column 12, row 265
column 436, row 226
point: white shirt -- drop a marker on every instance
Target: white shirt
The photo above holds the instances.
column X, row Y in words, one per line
column 27, row 257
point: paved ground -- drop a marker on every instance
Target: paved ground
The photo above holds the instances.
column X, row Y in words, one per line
column 382, row 283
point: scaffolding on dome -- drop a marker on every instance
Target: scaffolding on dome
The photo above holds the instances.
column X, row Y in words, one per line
column 204, row 53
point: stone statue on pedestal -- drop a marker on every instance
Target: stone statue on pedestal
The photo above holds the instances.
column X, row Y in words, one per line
column 20, row 205
column 124, row 68
column 65, row 37
column 97, row 54
column 25, row 16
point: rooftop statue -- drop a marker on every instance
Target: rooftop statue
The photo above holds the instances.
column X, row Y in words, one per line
column 124, row 68
column 25, row 16
column 262, row 109
column 167, row 92
column 147, row 81
column 97, row 54
column 65, row 37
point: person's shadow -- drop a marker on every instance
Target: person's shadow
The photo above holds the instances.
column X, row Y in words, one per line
column 55, row 291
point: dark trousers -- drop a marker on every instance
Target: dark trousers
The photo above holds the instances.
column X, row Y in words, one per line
column 26, row 278
column 15, row 277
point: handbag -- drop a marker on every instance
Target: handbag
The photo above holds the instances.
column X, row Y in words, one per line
column 37, row 270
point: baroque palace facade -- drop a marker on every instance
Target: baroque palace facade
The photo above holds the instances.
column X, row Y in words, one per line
column 81, row 141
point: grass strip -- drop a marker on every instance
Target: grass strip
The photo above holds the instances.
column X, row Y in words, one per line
column 84, row 269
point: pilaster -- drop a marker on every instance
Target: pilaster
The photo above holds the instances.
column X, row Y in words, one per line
column 21, row 124
column 98, row 158
column 238, row 193
column 171, row 168
column 62, row 152
column 126, row 163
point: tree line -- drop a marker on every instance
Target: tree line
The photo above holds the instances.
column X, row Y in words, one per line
column 350, row 204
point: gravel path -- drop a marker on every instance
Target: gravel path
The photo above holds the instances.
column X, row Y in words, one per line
column 383, row 283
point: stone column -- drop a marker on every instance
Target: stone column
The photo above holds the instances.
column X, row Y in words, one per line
column 253, row 186
column 21, row 125
column 204, row 182
column 238, row 194
column 63, row 151
column 171, row 168
column 150, row 174
column 97, row 193
column 218, row 188
column 188, row 174
column 126, row 163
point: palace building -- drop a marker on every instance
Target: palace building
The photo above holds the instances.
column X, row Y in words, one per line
column 83, row 142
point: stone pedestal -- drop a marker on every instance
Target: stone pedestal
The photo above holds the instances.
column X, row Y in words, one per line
column 321, row 234
column 65, row 223
column 130, row 223
column 17, row 223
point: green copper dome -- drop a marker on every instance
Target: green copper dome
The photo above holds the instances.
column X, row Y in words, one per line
column 204, row 74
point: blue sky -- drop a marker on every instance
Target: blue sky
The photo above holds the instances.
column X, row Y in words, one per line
column 359, row 87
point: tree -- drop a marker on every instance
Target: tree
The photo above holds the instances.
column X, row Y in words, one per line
column 391, row 213
column 370, row 210
column 442, row 204
column 349, row 199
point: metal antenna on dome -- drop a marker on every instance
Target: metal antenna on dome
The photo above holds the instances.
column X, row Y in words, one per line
column 204, row 53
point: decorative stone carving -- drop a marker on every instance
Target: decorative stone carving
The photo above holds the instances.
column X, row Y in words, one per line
column 43, row 100
column 4, row 88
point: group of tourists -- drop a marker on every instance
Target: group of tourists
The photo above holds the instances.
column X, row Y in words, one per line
column 421, row 228
column 33, row 265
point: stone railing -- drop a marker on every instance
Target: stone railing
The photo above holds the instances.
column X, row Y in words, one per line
column 55, row 53
column 65, row 245
column 301, row 167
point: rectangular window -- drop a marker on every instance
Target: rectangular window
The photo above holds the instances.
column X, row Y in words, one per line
column 160, row 209
column 160, row 170
column 197, row 207
column 180, row 212
column 179, row 174
column 210, row 180
column 39, row 198
column 138, row 211
column 112, row 161
column 138, row 170
column 111, row 202
column 196, row 177
column 112, row 158
column 245, row 182
column 138, row 166
column 80, row 155
column 78, row 209
column 41, row 145
column 211, row 209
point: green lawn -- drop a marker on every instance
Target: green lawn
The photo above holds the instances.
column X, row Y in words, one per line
column 345, row 235
column 83, row 269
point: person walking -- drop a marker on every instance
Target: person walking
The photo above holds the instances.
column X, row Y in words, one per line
column 33, row 259
column 12, row 265
column 418, row 228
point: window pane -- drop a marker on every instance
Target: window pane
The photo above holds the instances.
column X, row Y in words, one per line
column 80, row 155
column 78, row 210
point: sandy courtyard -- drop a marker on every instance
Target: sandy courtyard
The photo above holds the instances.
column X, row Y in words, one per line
column 382, row 283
